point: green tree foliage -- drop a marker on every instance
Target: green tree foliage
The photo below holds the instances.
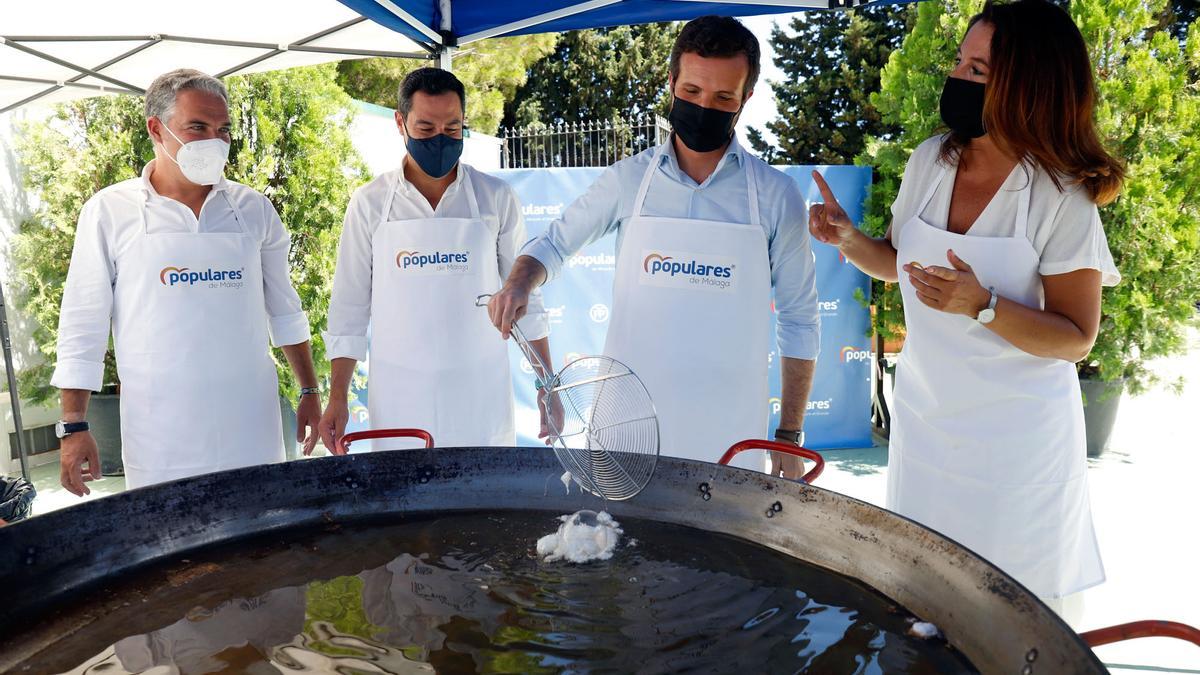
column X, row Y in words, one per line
column 598, row 74
column 339, row 604
column 831, row 62
column 491, row 72
column 290, row 141
column 293, row 144
column 86, row 146
column 1148, row 115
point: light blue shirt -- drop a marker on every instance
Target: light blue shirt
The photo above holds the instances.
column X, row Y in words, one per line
column 783, row 214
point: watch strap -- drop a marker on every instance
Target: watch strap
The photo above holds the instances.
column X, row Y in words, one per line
column 789, row 436
column 988, row 313
column 69, row 428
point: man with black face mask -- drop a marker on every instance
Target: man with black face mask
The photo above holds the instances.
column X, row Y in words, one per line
column 420, row 243
column 704, row 232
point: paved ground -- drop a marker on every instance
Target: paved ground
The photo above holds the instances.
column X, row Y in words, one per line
column 1147, row 514
column 1144, row 501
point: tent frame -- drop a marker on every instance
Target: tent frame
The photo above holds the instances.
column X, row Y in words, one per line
column 22, row 43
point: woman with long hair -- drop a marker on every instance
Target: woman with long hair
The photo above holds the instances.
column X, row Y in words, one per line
column 998, row 247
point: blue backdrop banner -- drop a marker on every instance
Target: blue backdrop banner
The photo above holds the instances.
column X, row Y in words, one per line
column 578, row 304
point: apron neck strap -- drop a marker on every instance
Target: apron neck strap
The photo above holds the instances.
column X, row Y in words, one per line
column 464, row 178
column 1023, row 198
column 386, row 214
column 644, row 188
column 933, row 186
column 237, row 213
column 1023, row 205
column 640, row 200
column 751, row 188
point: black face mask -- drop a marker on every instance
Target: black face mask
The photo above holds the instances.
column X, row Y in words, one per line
column 436, row 155
column 701, row 129
column 962, row 107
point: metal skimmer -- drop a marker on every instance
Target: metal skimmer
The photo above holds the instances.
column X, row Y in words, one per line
column 608, row 436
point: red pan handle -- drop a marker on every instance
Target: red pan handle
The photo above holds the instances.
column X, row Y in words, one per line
column 1141, row 629
column 788, row 448
column 345, row 441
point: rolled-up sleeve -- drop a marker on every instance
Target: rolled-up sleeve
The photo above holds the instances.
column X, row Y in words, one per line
column 287, row 322
column 794, row 276
column 350, row 305
column 535, row 324
column 587, row 219
column 86, row 312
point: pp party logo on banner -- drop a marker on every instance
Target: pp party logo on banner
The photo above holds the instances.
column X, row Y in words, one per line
column 599, row 312
column 438, row 262
column 209, row 278
column 688, row 270
column 542, row 211
column 815, row 407
column 852, row 354
column 818, row 407
column 598, row 262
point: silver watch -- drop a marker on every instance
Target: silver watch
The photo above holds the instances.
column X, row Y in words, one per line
column 987, row 314
column 63, row 429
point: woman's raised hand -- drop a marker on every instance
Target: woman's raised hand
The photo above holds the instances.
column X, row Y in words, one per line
column 828, row 222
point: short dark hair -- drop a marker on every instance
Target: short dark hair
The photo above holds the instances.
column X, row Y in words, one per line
column 432, row 81
column 717, row 36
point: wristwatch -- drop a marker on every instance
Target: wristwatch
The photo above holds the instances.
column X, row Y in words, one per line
column 63, row 429
column 789, row 436
column 987, row 314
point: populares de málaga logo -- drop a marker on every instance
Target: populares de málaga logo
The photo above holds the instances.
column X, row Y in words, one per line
column 408, row 260
column 851, row 354
column 688, row 269
column 183, row 276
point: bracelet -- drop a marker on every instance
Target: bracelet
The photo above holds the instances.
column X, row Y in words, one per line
column 305, row 391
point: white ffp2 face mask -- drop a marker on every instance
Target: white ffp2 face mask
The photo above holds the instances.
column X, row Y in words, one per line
column 202, row 162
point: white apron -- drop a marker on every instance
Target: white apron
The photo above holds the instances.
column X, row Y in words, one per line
column 690, row 317
column 436, row 361
column 196, row 643
column 199, row 392
column 413, row 600
column 988, row 440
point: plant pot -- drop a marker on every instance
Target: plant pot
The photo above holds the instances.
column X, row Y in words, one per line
column 894, row 344
column 1100, row 402
column 287, row 414
column 104, row 421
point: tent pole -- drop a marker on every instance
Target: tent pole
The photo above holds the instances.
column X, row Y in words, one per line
column 14, row 397
column 445, row 51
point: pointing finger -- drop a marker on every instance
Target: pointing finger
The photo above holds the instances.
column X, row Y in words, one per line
column 826, row 192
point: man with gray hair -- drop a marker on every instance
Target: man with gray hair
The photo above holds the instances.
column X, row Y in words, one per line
column 191, row 272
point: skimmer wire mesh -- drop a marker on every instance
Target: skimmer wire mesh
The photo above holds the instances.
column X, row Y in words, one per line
column 609, row 436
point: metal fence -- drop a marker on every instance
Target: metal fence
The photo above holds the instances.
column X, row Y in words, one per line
column 597, row 143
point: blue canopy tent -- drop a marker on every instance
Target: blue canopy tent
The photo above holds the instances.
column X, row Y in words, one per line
column 443, row 25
